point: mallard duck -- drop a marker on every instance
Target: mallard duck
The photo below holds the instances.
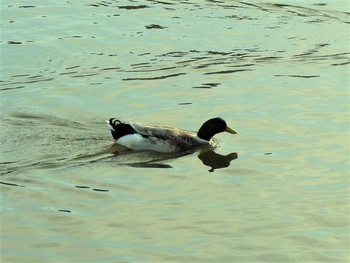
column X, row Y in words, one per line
column 138, row 137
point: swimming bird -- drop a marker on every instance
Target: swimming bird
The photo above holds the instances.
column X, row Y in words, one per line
column 138, row 137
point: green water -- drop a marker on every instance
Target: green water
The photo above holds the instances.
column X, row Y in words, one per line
column 275, row 71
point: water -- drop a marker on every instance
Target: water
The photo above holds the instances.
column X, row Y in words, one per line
column 275, row 71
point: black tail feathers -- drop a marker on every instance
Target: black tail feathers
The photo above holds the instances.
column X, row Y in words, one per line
column 119, row 129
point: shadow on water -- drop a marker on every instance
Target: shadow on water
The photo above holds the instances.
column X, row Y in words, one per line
column 38, row 141
column 149, row 159
column 215, row 160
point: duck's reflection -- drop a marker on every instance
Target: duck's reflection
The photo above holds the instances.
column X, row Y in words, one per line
column 215, row 160
column 155, row 160
column 142, row 159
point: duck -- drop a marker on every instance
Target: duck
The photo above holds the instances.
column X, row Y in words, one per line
column 165, row 139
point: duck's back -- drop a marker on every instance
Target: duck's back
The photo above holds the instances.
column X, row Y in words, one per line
column 180, row 140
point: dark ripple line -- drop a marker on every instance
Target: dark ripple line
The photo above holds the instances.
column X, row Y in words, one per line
column 100, row 190
column 140, row 64
column 267, row 58
column 72, row 67
column 333, row 55
column 256, row 6
column 20, row 87
column 164, row 3
column 209, row 65
column 32, row 81
column 10, row 162
column 227, row 71
column 82, row 186
column 174, row 54
column 85, row 75
column 11, row 184
column 186, row 61
column 150, row 70
column 299, row 76
column 67, row 73
column 20, row 75
column 130, row 7
column 116, row 68
column 243, row 65
column 340, row 64
column 64, row 210
column 155, row 78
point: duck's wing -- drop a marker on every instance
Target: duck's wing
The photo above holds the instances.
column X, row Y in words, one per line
column 173, row 138
column 161, row 132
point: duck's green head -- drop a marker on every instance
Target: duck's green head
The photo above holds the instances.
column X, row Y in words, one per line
column 212, row 127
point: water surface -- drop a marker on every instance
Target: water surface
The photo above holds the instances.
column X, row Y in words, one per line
column 275, row 71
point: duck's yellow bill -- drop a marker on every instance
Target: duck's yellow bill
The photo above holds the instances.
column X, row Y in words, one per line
column 229, row 130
